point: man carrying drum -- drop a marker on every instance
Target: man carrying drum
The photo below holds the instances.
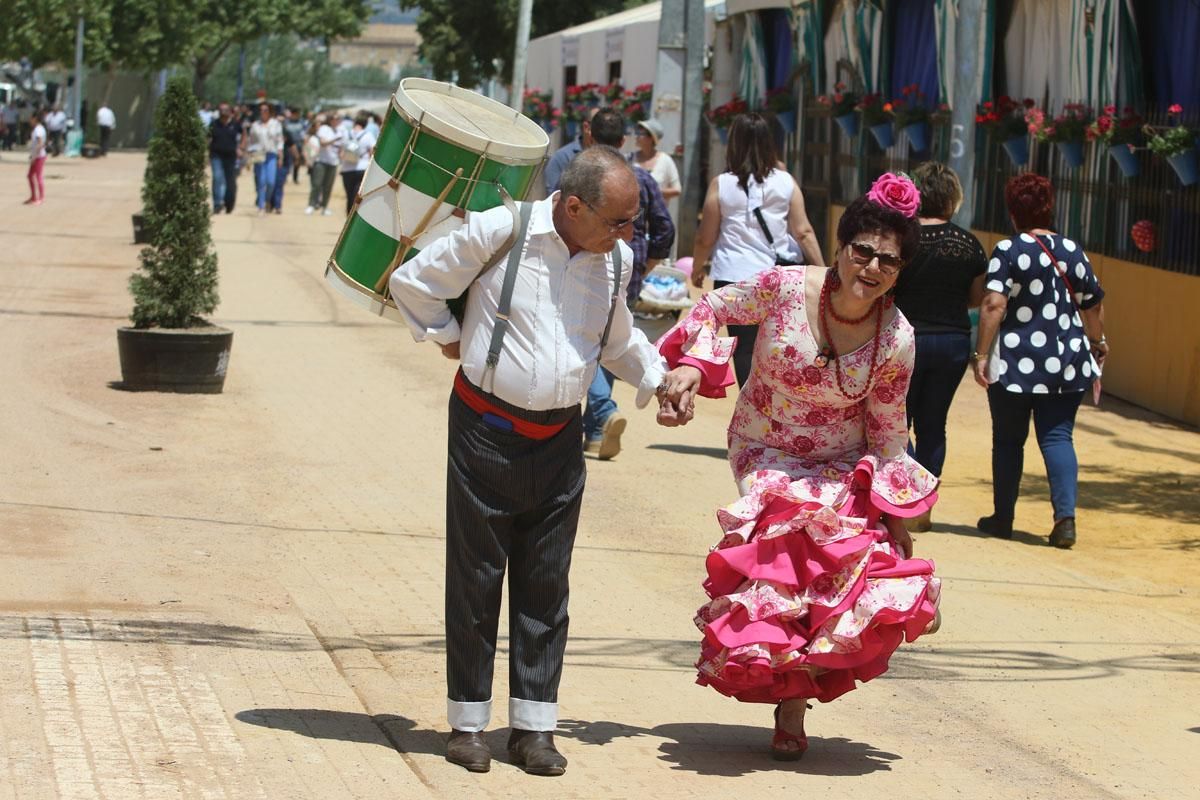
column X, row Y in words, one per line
column 515, row 463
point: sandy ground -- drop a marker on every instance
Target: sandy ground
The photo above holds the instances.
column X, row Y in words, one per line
column 240, row 595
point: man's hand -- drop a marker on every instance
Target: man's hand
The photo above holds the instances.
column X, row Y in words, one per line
column 676, row 396
column 450, row 351
column 980, row 368
column 699, row 273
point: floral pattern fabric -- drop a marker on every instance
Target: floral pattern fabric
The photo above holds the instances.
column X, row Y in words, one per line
column 808, row 591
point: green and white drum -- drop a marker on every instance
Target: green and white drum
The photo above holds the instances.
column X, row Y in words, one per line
column 443, row 153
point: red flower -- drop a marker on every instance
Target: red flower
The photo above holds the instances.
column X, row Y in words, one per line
column 802, row 444
column 1175, row 108
column 816, row 417
column 812, row 375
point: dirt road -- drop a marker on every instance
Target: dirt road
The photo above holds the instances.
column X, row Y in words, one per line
column 241, row 595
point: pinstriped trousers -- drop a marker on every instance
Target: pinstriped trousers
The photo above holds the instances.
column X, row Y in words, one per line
column 514, row 500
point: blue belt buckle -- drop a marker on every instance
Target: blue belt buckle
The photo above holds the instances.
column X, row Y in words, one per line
column 497, row 422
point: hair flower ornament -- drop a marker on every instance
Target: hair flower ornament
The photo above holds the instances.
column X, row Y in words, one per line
column 897, row 192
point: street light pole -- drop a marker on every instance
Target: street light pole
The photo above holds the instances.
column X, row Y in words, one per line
column 77, row 95
column 524, row 16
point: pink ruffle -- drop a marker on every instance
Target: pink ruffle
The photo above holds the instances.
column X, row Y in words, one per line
column 805, row 601
column 678, row 346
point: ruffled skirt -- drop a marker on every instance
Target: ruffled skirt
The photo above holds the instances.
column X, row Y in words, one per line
column 805, row 599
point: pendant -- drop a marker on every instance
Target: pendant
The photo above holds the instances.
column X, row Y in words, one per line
column 822, row 359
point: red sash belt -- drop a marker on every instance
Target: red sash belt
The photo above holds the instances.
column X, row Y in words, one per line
column 482, row 406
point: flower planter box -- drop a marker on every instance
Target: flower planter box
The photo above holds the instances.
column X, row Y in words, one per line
column 848, row 123
column 1072, row 153
column 1126, row 160
column 1017, row 149
column 788, row 120
column 918, row 136
column 884, row 134
column 1185, row 167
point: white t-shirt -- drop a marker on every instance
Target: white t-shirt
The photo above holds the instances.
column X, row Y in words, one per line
column 105, row 117
column 742, row 250
column 328, row 138
column 265, row 138
column 56, row 121
column 664, row 172
column 37, row 142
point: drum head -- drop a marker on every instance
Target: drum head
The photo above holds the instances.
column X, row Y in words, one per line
column 471, row 120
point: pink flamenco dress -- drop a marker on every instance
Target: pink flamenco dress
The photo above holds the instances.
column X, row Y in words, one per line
column 809, row 593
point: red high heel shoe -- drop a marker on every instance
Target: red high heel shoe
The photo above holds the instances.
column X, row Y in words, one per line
column 787, row 746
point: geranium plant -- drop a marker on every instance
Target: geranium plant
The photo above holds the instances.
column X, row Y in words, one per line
column 841, row 102
column 635, row 104
column 874, row 110
column 538, row 105
column 1004, row 119
column 723, row 115
column 613, row 91
column 1109, row 128
column 1069, row 126
column 910, row 108
column 1172, row 141
column 781, row 100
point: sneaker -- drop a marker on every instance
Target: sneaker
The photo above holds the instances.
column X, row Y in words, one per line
column 327, row 213
column 262, row 212
column 279, row 211
column 610, row 437
column 309, row 210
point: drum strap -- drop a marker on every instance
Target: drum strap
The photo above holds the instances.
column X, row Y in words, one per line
column 510, row 281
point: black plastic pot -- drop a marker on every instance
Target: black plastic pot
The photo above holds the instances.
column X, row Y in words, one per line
column 191, row 360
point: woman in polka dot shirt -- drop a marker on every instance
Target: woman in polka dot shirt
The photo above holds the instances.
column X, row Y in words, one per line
column 1041, row 345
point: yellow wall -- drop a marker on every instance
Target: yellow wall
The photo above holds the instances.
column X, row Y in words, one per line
column 1152, row 321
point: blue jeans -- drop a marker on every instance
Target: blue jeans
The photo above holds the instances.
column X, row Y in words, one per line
column 281, row 179
column 1054, row 423
column 264, row 179
column 224, row 172
column 941, row 361
column 600, row 405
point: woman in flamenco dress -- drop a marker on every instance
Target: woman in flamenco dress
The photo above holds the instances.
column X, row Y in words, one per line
column 813, row 585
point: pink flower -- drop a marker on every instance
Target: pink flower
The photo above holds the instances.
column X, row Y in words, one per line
column 895, row 192
column 1175, row 109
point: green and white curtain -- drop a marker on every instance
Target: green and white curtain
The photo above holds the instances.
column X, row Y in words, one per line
column 806, row 18
column 945, row 15
column 1064, row 51
column 753, row 83
column 855, row 36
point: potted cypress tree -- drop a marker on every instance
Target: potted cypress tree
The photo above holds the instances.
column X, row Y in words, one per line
column 170, row 347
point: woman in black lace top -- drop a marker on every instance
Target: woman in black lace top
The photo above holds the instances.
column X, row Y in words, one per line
column 934, row 292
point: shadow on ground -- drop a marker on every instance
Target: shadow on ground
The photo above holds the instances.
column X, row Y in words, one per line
column 704, row 748
column 691, row 450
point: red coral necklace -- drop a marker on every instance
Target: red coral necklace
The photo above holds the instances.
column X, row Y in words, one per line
column 828, row 354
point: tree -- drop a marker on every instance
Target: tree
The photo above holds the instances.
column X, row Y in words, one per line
column 222, row 24
column 281, row 66
column 456, row 44
column 177, row 282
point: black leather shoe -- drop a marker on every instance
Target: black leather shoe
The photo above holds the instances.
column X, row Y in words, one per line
column 534, row 752
column 1063, row 535
column 468, row 749
column 1001, row 529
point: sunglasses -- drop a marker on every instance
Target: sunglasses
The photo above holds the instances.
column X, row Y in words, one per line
column 614, row 225
column 863, row 254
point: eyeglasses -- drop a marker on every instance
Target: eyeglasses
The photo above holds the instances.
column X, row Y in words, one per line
column 863, row 254
column 613, row 225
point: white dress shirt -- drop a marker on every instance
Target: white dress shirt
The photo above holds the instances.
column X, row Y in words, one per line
column 105, row 117
column 559, row 308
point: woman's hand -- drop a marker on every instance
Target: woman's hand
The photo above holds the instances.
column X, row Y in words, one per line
column 676, row 396
column 899, row 533
column 980, row 366
column 1100, row 351
column 698, row 275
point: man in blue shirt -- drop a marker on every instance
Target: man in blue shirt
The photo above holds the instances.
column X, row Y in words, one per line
column 566, row 154
column 653, row 235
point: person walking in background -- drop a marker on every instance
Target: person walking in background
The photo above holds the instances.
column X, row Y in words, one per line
column 55, row 123
column 934, row 293
column 357, row 147
column 325, row 167
column 749, row 211
column 564, row 155
column 1041, row 346
column 37, row 161
column 266, row 152
column 660, row 165
column 11, row 116
column 106, row 120
column 224, row 151
column 653, row 235
column 291, row 154
column 297, row 127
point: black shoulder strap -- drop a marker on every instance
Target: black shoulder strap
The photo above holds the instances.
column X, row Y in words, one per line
column 762, row 223
column 616, row 256
column 510, row 281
